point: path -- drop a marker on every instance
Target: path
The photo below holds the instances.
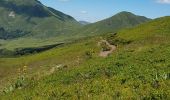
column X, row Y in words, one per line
column 106, row 53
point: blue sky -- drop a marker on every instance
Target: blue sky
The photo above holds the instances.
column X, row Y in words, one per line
column 95, row 10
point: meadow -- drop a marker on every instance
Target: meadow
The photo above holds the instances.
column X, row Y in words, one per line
column 139, row 68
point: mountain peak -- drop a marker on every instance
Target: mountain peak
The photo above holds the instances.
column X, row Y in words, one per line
column 125, row 12
column 130, row 15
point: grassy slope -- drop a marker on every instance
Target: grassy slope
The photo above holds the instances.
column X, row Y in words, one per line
column 36, row 23
column 48, row 59
column 138, row 70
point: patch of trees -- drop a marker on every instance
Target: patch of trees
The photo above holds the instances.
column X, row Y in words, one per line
column 26, row 51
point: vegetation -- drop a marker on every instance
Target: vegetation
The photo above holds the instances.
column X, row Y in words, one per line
column 138, row 69
column 105, row 47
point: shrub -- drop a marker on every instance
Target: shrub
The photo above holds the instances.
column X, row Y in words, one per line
column 114, row 40
column 20, row 81
column 89, row 54
column 105, row 47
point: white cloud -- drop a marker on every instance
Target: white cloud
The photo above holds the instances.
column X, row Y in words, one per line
column 164, row 1
column 63, row 0
column 83, row 12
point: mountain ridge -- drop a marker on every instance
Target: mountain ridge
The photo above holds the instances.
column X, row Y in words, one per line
column 112, row 24
column 30, row 14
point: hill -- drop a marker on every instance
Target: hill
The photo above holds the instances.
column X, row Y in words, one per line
column 138, row 69
column 23, row 18
column 113, row 24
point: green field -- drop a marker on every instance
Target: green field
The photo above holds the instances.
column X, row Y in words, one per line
column 139, row 68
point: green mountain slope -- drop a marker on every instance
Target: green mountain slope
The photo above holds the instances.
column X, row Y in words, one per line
column 59, row 27
column 113, row 24
column 30, row 18
column 158, row 27
column 139, row 69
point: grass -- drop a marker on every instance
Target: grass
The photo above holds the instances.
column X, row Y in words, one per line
column 138, row 69
column 66, row 55
column 126, row 74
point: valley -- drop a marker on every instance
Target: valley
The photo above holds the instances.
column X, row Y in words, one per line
column 48, row 55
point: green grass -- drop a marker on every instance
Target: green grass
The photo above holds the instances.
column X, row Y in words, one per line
column 132, row 72
column 66, row 55
column 154, row 29
column 139, row 69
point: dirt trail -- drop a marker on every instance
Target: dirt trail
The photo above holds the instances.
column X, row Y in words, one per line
column 106, row 53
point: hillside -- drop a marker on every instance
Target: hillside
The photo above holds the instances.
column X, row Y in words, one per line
column 30, row 18
column 113, row 24
column 51, row 32
column 137, row 70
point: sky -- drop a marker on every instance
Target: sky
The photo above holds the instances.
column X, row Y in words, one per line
column 95, row 10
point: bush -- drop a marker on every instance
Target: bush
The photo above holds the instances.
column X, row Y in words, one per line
column 114, row 40
column 20, row 83
column 89, row 54
column 105, row 47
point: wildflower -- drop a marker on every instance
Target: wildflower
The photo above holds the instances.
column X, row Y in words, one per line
column 19, row 71
column 25, row 69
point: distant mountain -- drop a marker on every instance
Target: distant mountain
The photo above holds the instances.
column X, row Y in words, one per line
column 114, row 23
column 24, row 18
column 84, row 22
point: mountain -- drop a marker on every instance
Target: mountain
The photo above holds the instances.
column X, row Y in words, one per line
column 30, row 18
column 111, row 25
column 84, row 22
